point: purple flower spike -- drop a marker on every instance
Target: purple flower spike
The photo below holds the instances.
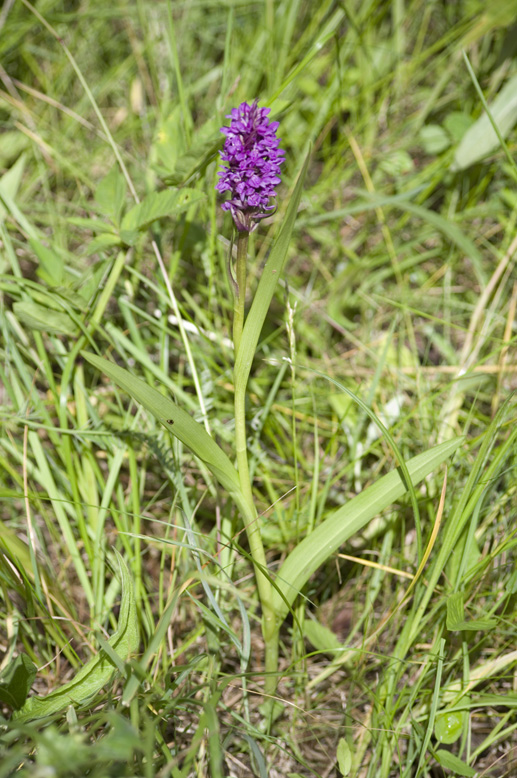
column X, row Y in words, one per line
column 254, row 159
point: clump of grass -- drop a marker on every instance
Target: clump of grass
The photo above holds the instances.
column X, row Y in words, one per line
column 399, row 657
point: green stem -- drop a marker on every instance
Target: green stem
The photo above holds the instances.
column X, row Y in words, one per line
column 239, row 293
column 270, row 630
column 270, row 627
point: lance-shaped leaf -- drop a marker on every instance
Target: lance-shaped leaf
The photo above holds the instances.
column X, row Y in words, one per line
column 98, row 671
column 175, row 419
column 317, row 547
column 268, row 280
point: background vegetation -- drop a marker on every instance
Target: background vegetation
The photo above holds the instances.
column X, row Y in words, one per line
column 400, row 285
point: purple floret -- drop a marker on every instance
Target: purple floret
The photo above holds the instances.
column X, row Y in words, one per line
column 254, row 159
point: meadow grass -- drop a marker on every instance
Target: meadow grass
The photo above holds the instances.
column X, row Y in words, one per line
column 129, row 604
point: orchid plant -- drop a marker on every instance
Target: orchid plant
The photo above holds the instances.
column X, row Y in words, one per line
column 254, row 158
column 251, row 176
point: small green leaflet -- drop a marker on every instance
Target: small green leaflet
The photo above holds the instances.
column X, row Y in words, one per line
column 449, row 726
column 454, row 763
column 98, row 671
column 434, row 139
column 344, row 757
column 111, row 194
column 456, row 621
column 16, row 680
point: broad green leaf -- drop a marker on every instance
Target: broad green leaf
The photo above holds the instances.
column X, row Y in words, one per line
column 16, row 680
column 37, row 317
column 480, row 140
column 99, row 670
column 156, row 206
column 317, row 547
column 66, row 298
column 11, row 544
column 111, row 194
column 51, row 266
column 174, row 418
column 344, row 757
column 448, row 726
column 455, row 612
column 268, row 280
column 454, row 763
column 456, row 617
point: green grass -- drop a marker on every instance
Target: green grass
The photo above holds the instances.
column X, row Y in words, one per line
column 398, row 660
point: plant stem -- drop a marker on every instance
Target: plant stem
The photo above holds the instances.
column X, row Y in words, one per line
column 239, row 295
column 270, row 630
